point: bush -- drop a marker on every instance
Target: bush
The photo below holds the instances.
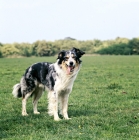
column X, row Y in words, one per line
column 45, row 49
column 119, row 46
column 0, row 54
column 8, row 50
column 134, row 44
column 117, row 49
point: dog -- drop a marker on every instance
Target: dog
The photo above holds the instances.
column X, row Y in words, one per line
column 57, row 78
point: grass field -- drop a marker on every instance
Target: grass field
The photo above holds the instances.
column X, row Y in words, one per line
column 103, row 105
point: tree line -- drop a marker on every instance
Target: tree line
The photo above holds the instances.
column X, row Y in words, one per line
column 118, row 46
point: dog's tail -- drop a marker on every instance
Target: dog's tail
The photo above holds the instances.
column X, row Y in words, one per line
column 17, row 91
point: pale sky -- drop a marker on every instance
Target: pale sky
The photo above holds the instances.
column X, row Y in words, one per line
column 32, row 20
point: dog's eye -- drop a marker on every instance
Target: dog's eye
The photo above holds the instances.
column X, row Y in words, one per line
column 66, row 58
column 74, row 57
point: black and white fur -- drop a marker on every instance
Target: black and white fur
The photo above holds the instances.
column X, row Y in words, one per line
column 57, row 78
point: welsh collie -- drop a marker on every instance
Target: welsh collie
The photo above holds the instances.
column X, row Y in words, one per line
column 57, row 78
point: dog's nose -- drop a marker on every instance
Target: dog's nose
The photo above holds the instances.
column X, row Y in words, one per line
column 71, row 63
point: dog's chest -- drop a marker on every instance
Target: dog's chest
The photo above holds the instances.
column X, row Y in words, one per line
column 57, row 80
column 63, row 82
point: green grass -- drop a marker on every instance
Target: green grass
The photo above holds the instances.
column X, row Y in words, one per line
column 103, row 105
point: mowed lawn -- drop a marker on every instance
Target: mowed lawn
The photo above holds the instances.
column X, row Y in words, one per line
column 103, row 105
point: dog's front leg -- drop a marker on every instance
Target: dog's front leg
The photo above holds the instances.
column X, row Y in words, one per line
column 53, row 105
column 65, row 106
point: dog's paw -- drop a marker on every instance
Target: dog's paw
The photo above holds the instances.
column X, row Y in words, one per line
column 37, row 112
column 57, row 119
column 24, row 114
column 67, row 118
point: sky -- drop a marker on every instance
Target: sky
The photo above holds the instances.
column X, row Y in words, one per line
column 50, row 20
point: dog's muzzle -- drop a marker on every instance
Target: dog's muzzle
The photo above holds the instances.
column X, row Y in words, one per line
column 70, row 67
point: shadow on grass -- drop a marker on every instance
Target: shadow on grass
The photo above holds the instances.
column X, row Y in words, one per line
column 80, row 111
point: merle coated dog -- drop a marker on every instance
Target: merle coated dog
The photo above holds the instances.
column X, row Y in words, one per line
column 57, row 78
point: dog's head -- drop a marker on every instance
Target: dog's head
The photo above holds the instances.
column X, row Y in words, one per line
column 70, row 60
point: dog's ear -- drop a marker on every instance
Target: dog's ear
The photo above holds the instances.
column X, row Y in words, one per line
column 61, row 56
column 78, row 52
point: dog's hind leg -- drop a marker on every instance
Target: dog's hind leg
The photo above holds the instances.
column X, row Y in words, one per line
column 24, row 102
column 37, row 95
